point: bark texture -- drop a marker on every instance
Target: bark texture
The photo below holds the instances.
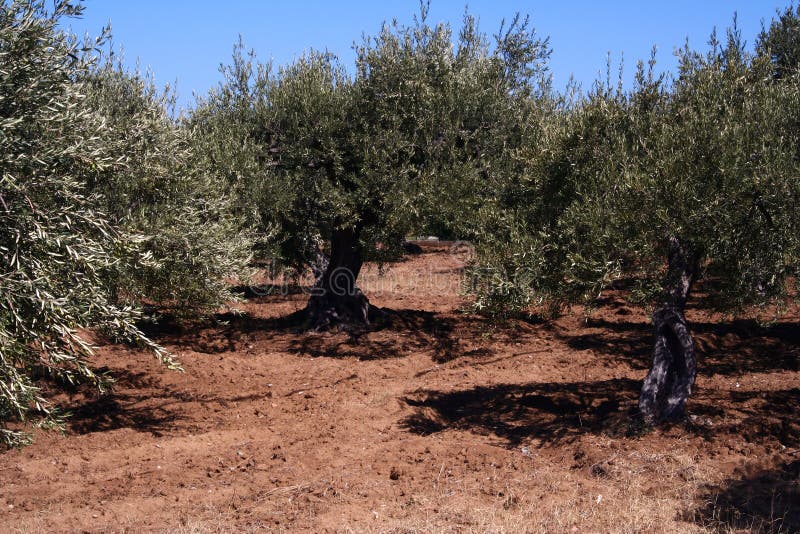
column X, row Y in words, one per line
column 335, row 298
column 320, row 263
column 669, row 383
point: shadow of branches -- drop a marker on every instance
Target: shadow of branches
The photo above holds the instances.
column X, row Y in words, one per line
column 391, row 334
column 396, row 334
column 756, row 416
column 552, row 412
column 756, row 500
column 142, row 402
column 125, row 406
column 558, row 412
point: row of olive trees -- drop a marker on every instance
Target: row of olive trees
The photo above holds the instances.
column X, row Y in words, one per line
column 104, row 208
column 681, row 180
column 109, row 205
column 684, row 178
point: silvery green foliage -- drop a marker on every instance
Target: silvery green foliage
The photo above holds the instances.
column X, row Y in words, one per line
column 709, row 157
column 780, row 42
column 57, row 244
column 291, row 145
column 231, row 141
column 463, row 109
column 186, row 244
column 416, row 140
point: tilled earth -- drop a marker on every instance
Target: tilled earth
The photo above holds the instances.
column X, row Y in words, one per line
column 435, row 420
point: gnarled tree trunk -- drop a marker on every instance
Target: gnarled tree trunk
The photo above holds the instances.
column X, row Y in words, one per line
column 669, row 382
column 335, row 298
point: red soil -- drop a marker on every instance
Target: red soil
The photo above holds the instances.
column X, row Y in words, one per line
column 435, row 421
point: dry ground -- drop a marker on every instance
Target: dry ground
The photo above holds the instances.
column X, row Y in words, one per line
column 436, row 421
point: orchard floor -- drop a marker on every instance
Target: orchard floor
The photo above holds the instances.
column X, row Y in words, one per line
column 435, row 421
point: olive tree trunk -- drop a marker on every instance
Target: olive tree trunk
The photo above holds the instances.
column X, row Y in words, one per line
column 669, row 382
column 335, row 298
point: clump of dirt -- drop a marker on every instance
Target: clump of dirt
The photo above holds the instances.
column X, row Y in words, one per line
column 433, row 420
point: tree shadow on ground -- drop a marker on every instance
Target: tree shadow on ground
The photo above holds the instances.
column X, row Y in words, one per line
column 727, row 348
column 223, row 332
column 110, row 412
column 140, row 402
column 393, row 333
column 123, row 407
column 755, row 500
column 397, row 334
column 559, row 412
column 550, row 412
column 168, row 327
column 756, row 416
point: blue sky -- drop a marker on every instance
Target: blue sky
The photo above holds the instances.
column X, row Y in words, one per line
column 186, row 40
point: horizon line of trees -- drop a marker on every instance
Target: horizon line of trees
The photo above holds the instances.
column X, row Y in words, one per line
column 112, row 211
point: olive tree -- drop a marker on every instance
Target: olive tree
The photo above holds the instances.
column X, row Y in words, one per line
column 57, row 244
column 185, row 243
column 424, row 126
column 670, row 184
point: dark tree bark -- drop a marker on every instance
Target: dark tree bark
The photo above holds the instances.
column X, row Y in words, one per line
column 320, row 262
column 669, row 382
column 335, row 298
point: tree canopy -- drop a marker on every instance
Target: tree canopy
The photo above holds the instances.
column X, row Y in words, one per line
column 185, row 244
column 102, row 211
column 677, row 181
column 418, row 137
